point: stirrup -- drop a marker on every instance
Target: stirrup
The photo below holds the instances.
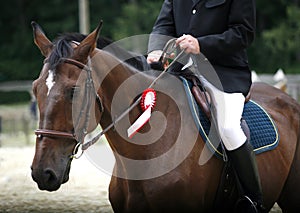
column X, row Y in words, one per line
column 245, row 204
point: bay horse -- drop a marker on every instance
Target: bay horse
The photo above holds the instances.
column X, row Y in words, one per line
column 158, row 169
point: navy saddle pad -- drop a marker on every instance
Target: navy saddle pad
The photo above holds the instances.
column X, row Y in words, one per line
column 263, row 131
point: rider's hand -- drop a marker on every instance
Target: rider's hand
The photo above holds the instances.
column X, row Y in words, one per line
column 154, row 56
column 189, row 44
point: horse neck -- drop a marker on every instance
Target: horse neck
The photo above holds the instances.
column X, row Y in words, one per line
column 120, row 86
column 111, row 73
column 119, row 82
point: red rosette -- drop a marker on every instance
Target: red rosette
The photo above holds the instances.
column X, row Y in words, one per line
column 148, row 99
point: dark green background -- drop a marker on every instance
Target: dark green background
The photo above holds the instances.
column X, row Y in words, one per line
column 277, row 43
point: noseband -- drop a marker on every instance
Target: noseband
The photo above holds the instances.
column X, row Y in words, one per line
column 79, row 133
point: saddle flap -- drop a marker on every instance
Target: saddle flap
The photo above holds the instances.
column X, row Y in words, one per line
column 203, row 100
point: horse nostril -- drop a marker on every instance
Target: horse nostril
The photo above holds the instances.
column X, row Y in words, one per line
column 50, row 176
column 46, row 179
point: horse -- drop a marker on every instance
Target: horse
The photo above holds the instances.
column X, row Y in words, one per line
column 158, row 169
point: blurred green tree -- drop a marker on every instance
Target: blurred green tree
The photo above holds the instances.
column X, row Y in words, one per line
column 136, row 18
column 276, row 45
column 19, row 56
column 279, row 45
column 283, row 41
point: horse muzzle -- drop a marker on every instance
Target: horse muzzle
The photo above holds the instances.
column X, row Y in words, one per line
column 50, row 179
column 46, row 179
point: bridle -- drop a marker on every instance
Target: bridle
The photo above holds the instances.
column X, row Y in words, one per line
column 79, row 133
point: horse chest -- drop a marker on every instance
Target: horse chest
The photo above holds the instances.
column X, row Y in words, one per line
column 167, row 195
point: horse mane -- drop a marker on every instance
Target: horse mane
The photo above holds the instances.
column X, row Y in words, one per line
column 102, row 42
column 63, row 48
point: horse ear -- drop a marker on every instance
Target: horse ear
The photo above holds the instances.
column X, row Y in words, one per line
column 87, row 46
column 43, row 43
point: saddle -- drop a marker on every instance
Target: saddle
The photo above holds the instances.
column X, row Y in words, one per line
column 202, row 97
column 264, row 134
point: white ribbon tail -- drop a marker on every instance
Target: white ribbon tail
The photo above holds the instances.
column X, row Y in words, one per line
column 139, row 123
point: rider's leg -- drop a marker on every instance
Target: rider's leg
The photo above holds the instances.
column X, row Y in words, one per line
column 228, row 109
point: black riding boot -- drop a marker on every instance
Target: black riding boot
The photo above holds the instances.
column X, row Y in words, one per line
column 244, row 163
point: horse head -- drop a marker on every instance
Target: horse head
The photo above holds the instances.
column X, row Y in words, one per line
column 69, row 106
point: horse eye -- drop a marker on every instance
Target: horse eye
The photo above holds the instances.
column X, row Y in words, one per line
column 73, row 91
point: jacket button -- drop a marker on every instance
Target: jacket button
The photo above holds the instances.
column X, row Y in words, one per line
column 194, row 11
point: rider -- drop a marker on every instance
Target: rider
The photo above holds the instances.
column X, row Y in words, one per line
column 221, row 30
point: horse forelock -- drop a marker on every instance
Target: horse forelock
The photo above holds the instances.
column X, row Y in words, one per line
column 62, row 49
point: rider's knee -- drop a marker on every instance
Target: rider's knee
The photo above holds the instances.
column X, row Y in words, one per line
column 232, row 136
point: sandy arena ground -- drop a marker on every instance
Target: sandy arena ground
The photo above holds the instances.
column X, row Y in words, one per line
column 86, row 190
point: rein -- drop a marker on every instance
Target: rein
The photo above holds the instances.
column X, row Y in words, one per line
column 165, row 53
column 79, row 138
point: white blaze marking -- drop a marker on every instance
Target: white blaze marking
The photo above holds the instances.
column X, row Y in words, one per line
column 50, row 81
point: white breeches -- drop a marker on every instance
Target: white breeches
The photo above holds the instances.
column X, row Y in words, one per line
column 227, row 110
